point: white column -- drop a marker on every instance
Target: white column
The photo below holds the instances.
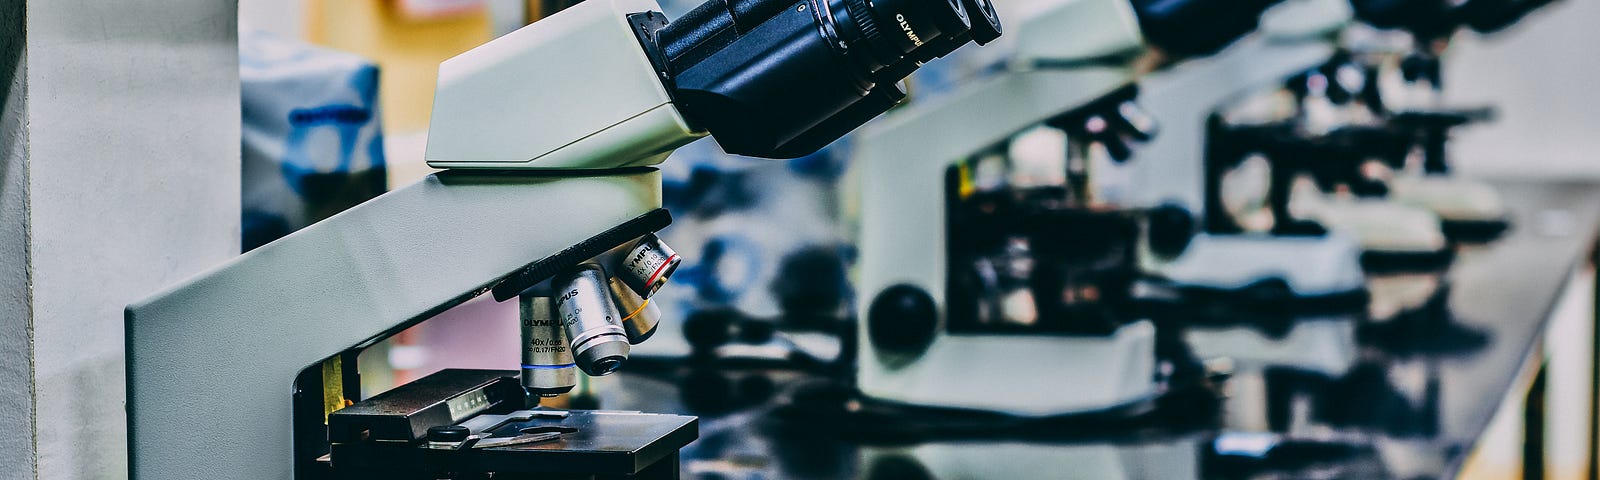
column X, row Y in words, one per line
column 120, row 176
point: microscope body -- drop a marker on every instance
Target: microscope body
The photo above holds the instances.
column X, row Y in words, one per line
column 1404, row 64
column 920, row 332
column 1171, row 168
column 1294, row 300
column 911, row 351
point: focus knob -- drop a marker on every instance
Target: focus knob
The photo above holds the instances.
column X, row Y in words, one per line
column 902, row 322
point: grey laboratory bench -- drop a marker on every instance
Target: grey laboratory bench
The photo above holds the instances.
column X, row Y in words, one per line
column 1415, row 406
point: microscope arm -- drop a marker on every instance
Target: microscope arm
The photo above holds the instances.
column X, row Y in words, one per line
column 210, row 362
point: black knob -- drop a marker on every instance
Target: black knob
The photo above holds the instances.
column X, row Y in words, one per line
column 448, row 433
column 1170, row 229
column 897, row 467
column 708, row 391
column 1186, row 28
column 812, row 283
column 708, row 329
column 902, row 321
column 755, row 332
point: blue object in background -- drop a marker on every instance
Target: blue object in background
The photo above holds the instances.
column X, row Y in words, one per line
column 312, row 142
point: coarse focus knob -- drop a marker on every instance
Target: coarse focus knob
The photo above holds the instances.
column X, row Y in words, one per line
column 902, row 321
column 448, row 434
column 1170, row 228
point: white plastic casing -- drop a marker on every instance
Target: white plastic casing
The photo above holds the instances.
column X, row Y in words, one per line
column 572, row 91
column 1380, row 224
column 1017, row 460
column 1325, row 344
column 1304, row 19
column 1067, row 30
column 1453, row 199
column 1310, row 265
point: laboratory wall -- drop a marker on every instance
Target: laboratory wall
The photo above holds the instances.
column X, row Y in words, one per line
column 1540, row 76
column 121, row 144
column 16, row 363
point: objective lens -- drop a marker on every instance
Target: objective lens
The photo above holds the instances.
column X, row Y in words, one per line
column 547, row 366
column 591, row 320
column 639, row 315
column 648, row 265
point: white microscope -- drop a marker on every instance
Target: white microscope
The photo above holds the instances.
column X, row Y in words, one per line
column 1400, row 50
column 1395, row 199
column 1256, row 299
column 547, row 135
column 927, row 338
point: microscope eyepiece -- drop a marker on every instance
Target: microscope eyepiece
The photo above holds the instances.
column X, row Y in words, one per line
column 910, row 23
column 782, row 78
column 985, row 21
column 1434, row 19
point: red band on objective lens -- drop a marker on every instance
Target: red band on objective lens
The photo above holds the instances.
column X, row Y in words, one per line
column 662, row 268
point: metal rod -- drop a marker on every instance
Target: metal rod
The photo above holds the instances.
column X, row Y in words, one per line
column 1593, row 472
column 1533, row 422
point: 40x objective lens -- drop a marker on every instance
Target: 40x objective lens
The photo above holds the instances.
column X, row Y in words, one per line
column 592, row 321
column 547, row 365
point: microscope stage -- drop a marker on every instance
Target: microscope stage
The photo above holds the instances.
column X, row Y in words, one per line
column 592, row 443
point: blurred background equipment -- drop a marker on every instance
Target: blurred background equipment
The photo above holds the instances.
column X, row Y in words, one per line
column 313, row 143
column 1031, row 258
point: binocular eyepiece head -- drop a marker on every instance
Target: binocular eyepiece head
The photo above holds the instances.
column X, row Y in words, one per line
column 828, row 65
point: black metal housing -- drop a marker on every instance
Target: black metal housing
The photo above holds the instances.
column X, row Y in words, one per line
column 1197, row 27
column 783, row 78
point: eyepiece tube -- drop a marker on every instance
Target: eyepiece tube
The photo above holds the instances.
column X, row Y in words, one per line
column 547, row 365
column 910, row 23
column 821, row 58
column 985, row 21
column 593, row 325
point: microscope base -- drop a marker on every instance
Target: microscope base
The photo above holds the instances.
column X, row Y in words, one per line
column 1394, row 237
column 1325, row 345
column 1308, row 267
column 1025, row 375
column 1469, row 211
column 1034, row 460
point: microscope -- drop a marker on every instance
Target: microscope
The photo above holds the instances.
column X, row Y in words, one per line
column 1253, row 298
column 1364, row 150
column 547, row 136
column 1401, row 52
column 978, row 262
